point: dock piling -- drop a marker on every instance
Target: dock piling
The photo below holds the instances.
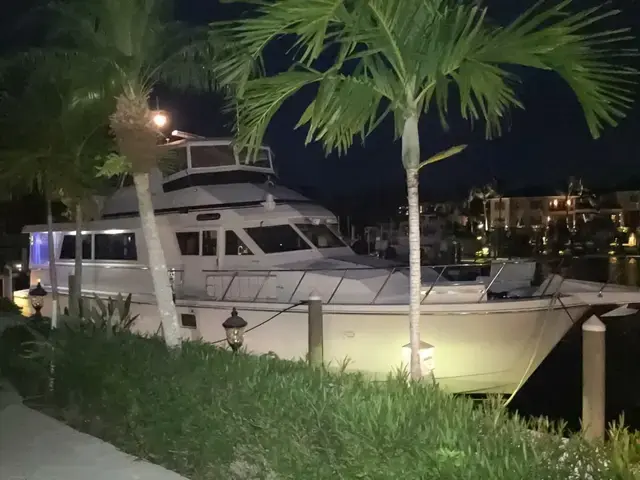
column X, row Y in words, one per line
column 593, row 379
column 316, row 340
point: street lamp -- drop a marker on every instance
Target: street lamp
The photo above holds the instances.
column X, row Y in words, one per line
column 234, row 327
column 37, row 294
column 160, row 119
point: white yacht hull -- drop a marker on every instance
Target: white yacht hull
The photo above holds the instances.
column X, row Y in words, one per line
column 233, row 238
column 481, row 347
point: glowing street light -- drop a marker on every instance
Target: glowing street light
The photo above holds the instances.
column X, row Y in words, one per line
column 160, row 119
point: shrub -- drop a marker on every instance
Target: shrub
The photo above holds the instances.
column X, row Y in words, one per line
column 113, row 315
column 209, row 414
column 7, row 306
column 17, row 346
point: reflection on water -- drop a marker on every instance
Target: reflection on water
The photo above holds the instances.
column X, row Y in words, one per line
column 623, row 271
column 617, row 270
column 555, row 388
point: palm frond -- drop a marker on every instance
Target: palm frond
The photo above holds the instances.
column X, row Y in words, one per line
column 411, row 53
column 555, row 39
column 187, row 62
column 261, row 100
column 53, row 131
column 344, row 107
column 443, row 155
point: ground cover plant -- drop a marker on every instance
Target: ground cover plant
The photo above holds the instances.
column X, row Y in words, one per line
column 209, row 414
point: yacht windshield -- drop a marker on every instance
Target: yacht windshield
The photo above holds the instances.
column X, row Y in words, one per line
column 277, row 238
column 320, row 235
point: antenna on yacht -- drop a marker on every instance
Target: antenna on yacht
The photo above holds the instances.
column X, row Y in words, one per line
column 269, row 203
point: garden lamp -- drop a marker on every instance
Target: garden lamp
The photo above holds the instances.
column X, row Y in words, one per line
column 426, row 353
column 234, row 327
column 37, row 294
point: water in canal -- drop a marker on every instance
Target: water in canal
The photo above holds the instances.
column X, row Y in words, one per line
column 554, row 390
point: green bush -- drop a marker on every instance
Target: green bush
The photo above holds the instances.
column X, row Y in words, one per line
column 208, row 414
column 112, row 315
column 7, row 306
column 18, row 343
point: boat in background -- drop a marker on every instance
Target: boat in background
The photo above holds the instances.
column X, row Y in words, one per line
column 234, row 238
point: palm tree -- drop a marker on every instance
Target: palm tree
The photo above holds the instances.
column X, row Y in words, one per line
column 575, row 192
column 133, row 45
column 401, row 58
column 484, row 194
column 48, row 138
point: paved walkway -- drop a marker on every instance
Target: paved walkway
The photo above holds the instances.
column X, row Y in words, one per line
column 36, row 447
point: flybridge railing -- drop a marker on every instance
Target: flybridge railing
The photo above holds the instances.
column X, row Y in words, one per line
column 357, row 285
column 352, row 286
column 368, row 285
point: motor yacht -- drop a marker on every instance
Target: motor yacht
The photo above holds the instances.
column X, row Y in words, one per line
column 234, row 238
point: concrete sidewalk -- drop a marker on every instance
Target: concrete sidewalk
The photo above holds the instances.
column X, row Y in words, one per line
column 34, row 446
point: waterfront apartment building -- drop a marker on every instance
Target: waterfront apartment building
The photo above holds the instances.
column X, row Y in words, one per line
column 538, row 211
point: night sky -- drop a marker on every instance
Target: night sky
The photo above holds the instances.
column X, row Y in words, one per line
column 546, row 143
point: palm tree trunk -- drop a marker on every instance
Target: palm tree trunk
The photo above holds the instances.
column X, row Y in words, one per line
column 411, row 161
column 53, row 275
column 157, row 262
column 77, row 269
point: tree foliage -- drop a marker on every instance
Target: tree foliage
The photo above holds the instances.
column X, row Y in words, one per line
column 53, row 132
column 402, row 57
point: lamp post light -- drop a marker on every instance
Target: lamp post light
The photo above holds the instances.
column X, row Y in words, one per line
column 160, row 119
column 234, row 327
column 37, row 294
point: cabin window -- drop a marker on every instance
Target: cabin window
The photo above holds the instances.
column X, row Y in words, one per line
column 277, row 238
column 259, row 159
column 204, row 217
column 320, row 235
column 210, row 243
column 203, row 156
column 174, row 160
column 115, row 246
column 188, row 320
column 68, row 250
column 189, row 242
column 234, row 245
column 127, row 181
column 39, row 248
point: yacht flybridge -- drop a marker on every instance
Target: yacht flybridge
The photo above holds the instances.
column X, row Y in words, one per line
column 233, row 237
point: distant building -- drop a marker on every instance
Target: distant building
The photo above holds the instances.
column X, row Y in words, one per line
column 538, row 211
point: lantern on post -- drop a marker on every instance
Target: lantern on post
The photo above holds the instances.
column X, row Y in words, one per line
column 36, row 295
column 234, row 327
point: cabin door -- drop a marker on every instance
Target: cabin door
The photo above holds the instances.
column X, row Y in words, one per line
column 209, row 259
column 190, row 248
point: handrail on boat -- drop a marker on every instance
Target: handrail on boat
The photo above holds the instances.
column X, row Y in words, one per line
column 263, row 277
column 301, row 282
column 433, row 284
column 491, row 282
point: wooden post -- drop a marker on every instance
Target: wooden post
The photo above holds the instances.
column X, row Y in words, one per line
column 7, row 283
column 73, row 301
column 316, row 354
column 593, row 379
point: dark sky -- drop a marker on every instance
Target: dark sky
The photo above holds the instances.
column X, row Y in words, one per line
column 546, row 143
